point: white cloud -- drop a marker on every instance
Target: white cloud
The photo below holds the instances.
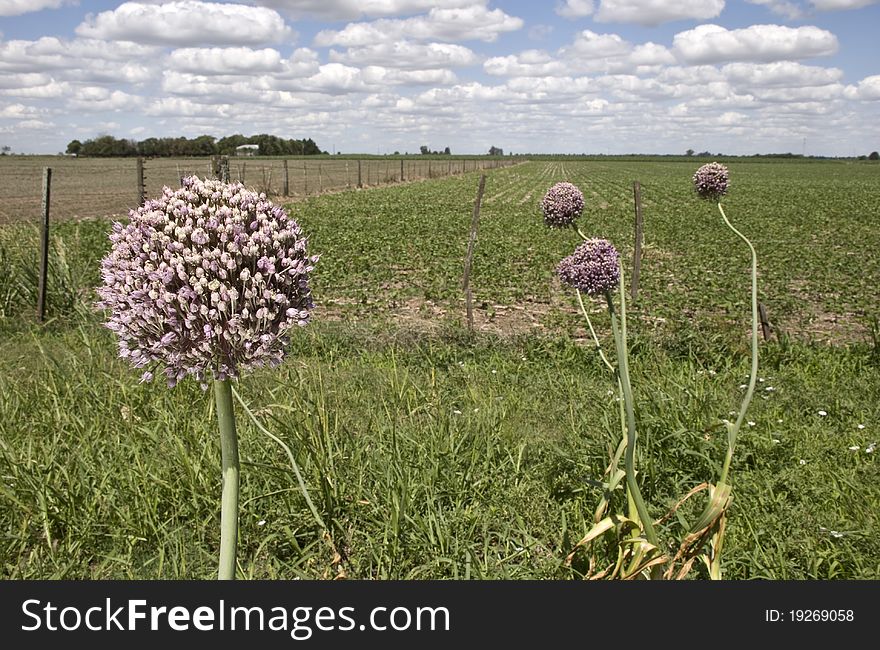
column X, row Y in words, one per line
column 588, row 44
column 19, row 7
column 473, row 23
column 354, row 9
column 589, row 53
column 765, row 43
column 796, row 10
column 868, row 89
column 407, row 55
column 98, row 99
column 786, row 74
column 575, row 8
column 225, row 61
column 182, row 107
column 187, row 22
column 790, row 10
column 18, row 112
column 656, row 12
column 833, row 5
column 24, row 80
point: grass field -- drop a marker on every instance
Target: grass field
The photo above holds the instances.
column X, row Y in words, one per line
column 433, row 453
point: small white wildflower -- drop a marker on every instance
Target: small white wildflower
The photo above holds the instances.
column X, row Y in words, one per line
column 854, row 448
column 743, row 386
column 779, row 421
column 803, row 462
column 823, row 413
column 775, row 441
column 870, row 448
column 262, row 522
column 476, row 409
column 751, row 423
column 457, row 412
column 861, row 426
column 494, row 372
column 770, row 389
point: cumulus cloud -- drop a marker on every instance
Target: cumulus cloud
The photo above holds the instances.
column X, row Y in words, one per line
column 226, row 60
column 765, row 43
column 19, row 7
column 782, row 7
column 472, row 23
column 187, row 22
column 575, row 8
column 782, row 74
column 868, row 89
column 588, row 53
column 407, row 55
column 834, row 5
column 354, row 9
column 656, row 12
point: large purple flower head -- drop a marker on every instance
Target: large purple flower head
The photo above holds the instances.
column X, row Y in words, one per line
column 594, row 267
column 711, row 181
column 562, row 205
column 207, row 280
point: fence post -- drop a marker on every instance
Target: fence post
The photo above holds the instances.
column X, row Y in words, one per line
column 360, row 184
column 637, row 251
column 305, row 179
column 286, row 179
column 401, row 170
column 142, row 188
column 44, row 245
column 224, row 169
column 469, row 258
column 765, row 322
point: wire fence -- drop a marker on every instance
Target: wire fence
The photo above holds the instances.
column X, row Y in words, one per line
column 108, row 187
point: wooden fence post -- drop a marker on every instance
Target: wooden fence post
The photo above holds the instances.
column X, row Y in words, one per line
column 766, row 327
column 637, row 250
column 305, row 179
column 141, row 186
column 44, row 245
column 286, row 179
column 469, row 258
column 401, row 170
column 360, row 183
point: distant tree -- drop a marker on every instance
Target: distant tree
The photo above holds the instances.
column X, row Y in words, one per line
column 874, row 156
column 447, row 152
column 73, row 147
column 689, row 152
column 496, row 151
column 424, row 150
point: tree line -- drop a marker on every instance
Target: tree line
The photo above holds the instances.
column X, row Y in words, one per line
column 203, row 145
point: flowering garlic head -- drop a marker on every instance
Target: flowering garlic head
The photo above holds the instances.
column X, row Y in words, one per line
column 594, row 267
column 562, row 205
column 208, row 280
column 711, row 181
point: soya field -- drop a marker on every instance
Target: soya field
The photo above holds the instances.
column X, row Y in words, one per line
column 433, row 452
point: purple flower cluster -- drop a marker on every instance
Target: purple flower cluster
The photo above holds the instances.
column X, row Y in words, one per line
column 594, row 267
column 562, row 205
column 711, row 181
column 207, row 280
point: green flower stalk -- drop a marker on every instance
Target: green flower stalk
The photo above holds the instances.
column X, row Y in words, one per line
column 208, row 281
column 712, row 182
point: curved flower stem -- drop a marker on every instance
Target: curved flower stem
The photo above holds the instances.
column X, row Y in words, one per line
column 230, row 468
column 592, row 331
column 623, row 374
column 297, row 473
column 732, row 431
column 580, row 232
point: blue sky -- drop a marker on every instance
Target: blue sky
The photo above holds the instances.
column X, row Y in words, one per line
column 592, row 76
